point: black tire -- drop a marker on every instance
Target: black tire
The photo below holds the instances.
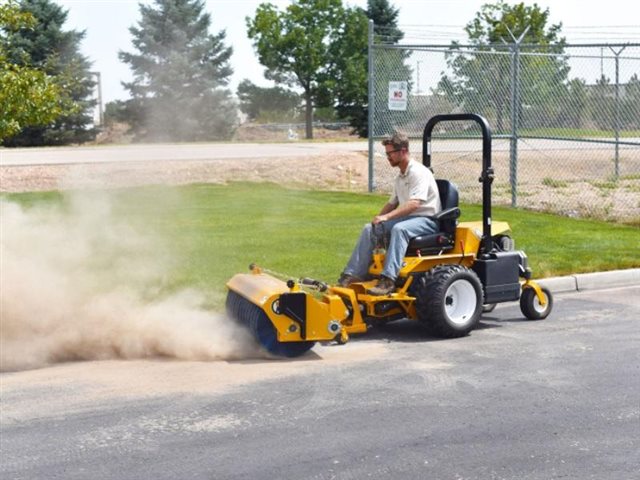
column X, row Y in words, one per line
column 258, row 323
column 530, row 305
column 504, row 243
column 449, row 300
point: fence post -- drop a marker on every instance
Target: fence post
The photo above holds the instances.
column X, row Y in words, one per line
column 371, row 108
column 515, row 112
column 616, row 120
column 513, row 145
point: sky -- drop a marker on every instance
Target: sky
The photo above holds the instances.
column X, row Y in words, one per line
column 107, row 22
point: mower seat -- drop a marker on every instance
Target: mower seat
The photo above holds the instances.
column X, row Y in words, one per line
column 443, row 240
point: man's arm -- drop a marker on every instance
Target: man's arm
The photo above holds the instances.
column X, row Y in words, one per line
column 391, row 211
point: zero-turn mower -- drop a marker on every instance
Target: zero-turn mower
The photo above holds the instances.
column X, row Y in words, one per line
column 446, row 282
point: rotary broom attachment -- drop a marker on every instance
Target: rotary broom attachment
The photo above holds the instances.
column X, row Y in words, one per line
column 285, row 320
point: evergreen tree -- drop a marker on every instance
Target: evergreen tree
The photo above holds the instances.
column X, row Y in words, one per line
column 45, row 46
column 385, row 19
column 179, row 74
column 350, row 73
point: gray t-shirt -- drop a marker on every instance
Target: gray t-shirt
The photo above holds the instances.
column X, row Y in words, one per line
column 417, row 183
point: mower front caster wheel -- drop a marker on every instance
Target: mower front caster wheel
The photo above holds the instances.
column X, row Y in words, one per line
column 530, row 304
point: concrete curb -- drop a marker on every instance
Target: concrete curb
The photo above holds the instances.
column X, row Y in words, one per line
column 592, row 281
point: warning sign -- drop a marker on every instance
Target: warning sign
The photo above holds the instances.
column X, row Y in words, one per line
column 398, row 96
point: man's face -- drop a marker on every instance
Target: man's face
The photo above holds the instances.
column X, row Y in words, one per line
column 394, row 155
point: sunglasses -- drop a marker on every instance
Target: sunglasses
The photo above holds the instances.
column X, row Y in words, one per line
column 393, row 151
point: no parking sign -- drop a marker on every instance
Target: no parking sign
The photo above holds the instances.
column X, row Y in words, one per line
column 398, row 96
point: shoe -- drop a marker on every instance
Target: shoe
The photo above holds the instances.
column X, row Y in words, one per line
column 384, row 287
column 346, row 280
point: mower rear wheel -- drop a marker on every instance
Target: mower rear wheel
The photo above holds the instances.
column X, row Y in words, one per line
column 258, row 323
column 504, row 243
column 449, row 300
column 530, row 304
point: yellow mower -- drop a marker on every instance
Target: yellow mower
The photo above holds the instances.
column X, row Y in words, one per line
column 447, row 280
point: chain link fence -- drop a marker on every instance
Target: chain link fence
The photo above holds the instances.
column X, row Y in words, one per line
column 565, row 121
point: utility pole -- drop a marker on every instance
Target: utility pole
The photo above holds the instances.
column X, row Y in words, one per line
column 99, row 84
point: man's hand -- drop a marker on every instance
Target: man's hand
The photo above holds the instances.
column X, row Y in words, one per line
column 379, row 219
column 390, row 211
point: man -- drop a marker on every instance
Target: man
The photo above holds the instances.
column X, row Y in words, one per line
column 415, row 198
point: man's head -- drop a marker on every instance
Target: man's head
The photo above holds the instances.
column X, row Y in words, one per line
column 397, row 149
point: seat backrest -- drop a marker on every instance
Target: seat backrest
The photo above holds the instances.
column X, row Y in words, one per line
column 444, row 239
column 448, row 199
column 448, row 193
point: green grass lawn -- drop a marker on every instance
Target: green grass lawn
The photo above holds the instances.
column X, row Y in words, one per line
column 210, row 232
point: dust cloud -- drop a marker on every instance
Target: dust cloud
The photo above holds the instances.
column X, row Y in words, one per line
column 79, row 283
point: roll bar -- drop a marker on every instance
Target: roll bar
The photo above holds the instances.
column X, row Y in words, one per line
column 487, row 174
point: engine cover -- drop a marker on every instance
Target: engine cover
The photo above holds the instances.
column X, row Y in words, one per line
column 499, row 273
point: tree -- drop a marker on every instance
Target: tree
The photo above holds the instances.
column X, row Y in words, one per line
column 321, row 46
column 275, row 103
column 348, row 77
column 631, row 103
column 481, row 81
column 47, row 47
column 120, row 111
column 294, row 46
column 179, row 74
column 602, row 101
column 576, row 104
column 28, row 96
column 385, row 19
column 389, row 64
column 350, row 72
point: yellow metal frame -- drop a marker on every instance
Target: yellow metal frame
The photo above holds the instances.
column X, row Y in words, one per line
column 329, row 309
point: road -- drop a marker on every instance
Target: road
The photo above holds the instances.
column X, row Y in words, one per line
column 163, row 152
column 558, row 398
column 225, row 151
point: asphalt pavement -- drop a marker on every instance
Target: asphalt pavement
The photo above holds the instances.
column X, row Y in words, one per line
column 231, row 150
column 169, row 152
column 516, row 399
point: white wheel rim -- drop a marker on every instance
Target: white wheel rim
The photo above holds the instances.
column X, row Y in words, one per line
column 537, row 306
column 460, row 302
